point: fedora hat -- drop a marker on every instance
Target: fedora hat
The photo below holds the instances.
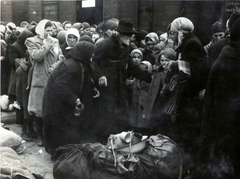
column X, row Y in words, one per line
column 126, row 27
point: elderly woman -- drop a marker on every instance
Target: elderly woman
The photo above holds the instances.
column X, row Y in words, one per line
column 190, row 64
column 72, row 38
column 44, row 51
column 69, row 85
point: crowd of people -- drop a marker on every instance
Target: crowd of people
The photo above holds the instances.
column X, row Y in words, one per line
column 75, row 80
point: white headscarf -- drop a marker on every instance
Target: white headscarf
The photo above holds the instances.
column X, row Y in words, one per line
column 73, row 31
column 40, row 28
column 181, row 25
column 153, row 36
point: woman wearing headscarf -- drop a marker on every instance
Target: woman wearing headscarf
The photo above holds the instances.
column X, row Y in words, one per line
column 61, row 36
column 219, row 151
column 44, row 52
column 18, row 56
column 151, row 39
column 191, row 78
column 69, row 85
column 72, row 38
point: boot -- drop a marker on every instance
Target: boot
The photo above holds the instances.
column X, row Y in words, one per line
column 24, row 131
column 39, row 128
column 30, row 130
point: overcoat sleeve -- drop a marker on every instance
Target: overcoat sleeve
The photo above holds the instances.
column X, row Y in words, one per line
column 62, row 87
column 37, row 51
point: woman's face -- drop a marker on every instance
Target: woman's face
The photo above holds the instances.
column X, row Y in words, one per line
column 54, row 30
column 164, row 60
column 48, row 31
column 136, row 58
column 72, row 40
column 149, row 43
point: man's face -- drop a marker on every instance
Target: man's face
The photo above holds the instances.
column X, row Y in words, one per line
column 92, row 30
column 67, row 27
column 125, row 39
column 48, row 31
column 72, row 40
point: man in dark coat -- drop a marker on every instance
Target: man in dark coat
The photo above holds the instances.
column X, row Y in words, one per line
column 110, row 70
column 219, row 151
column 69, row 85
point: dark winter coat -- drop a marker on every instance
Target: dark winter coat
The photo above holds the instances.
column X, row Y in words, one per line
column 190, row 107
column 111, row 61
column 221, row 124
column 70, row 80
column 22, row 69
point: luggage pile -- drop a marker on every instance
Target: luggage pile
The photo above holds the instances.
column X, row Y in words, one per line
column 126, row 155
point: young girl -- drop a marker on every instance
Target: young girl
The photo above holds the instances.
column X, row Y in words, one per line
column 141, row 73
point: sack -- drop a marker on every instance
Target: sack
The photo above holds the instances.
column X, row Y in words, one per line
column 4, row 102
column 71, row 163
column 11, row 166
column 9, row 139
column 118, row 164
column 166, row 155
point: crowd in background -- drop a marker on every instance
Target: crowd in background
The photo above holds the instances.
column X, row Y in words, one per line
column 72, row 80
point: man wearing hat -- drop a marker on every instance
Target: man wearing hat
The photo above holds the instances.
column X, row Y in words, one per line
column 109, row 64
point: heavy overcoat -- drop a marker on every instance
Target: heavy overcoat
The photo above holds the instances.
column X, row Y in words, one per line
column 43, row 54
column 221, row 124
column 70, row 80
column 110, row 60
column 18, row 49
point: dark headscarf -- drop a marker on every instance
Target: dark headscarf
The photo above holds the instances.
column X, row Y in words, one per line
column 82, row 51
column 86, row 38
column 24, row 35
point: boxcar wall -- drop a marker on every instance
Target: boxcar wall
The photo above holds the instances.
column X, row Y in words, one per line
column 150, row 15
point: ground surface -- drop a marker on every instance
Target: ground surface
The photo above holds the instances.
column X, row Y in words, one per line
column 35, row 157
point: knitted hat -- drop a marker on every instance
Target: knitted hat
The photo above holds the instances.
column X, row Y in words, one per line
column 136, row 51
column 217, row 27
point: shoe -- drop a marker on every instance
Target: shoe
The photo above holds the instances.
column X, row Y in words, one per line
column 32, row 134
column 26, row 137
column 40, row 142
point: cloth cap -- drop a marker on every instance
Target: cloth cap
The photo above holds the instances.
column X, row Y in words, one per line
column 153, row 36
column 182, row 23
column 217, row 27
column 136, row 51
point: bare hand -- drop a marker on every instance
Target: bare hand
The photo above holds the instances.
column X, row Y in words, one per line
column 102, row 81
